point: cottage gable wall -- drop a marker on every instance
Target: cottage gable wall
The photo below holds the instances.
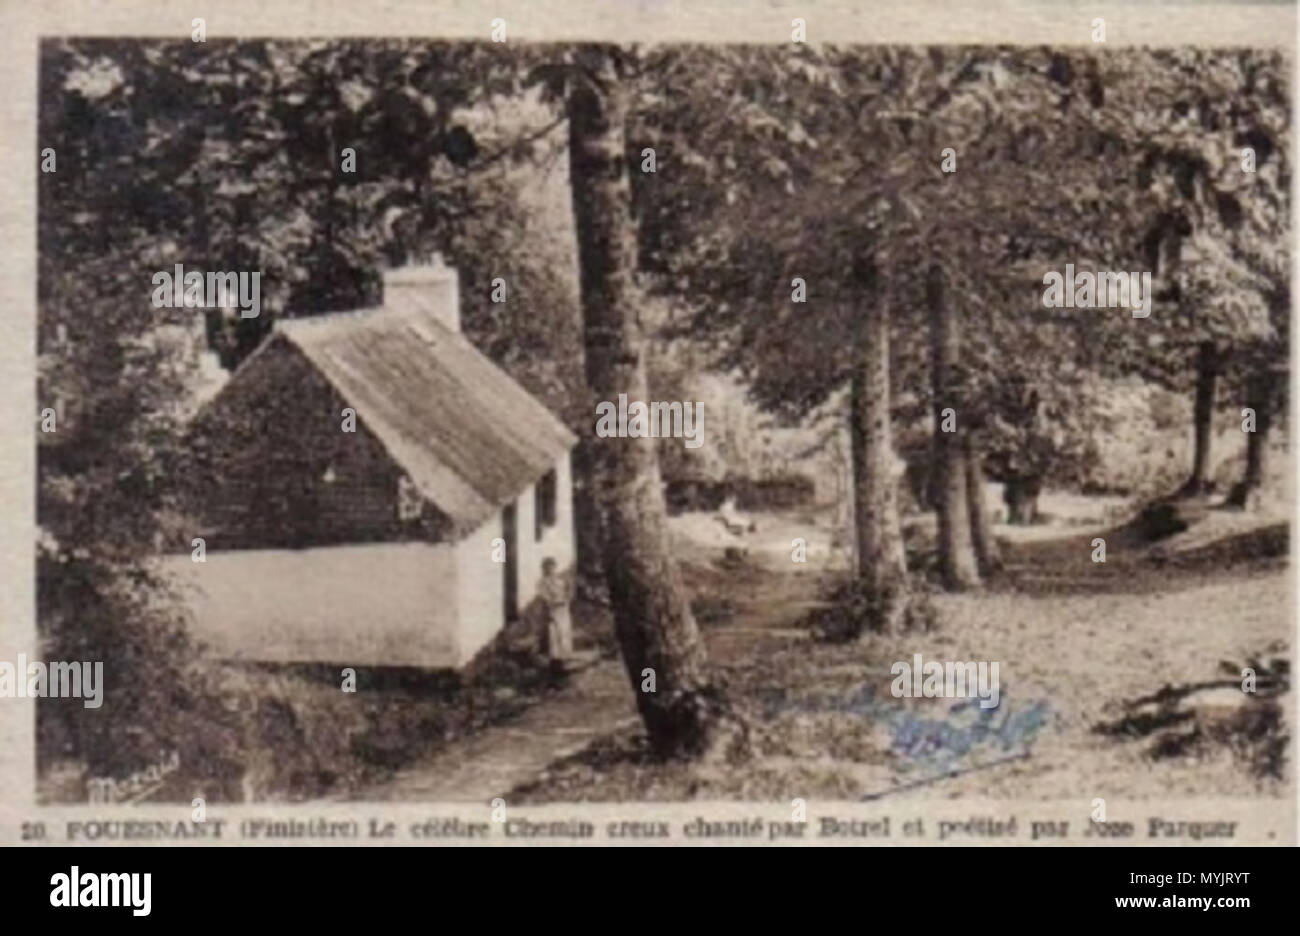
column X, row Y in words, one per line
column 273, row 468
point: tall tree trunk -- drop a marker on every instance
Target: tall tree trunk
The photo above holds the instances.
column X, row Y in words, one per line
column 1258, row 398
column 881, row 561
column 956, row 557
column 987, row 555
column 1207, row 373
column 652, row 619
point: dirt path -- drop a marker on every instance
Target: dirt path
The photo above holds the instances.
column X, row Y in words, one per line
column 596, row 702
column 1118, row 612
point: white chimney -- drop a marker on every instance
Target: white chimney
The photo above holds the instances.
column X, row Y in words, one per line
column 431, row 290
column 199, row 368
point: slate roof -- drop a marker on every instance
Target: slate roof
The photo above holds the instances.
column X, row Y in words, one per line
column 469, row 436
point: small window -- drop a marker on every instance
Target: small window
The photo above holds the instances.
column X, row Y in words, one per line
column 409, row 502
column 544, row 504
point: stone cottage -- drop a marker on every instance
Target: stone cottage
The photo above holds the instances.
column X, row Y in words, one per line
column 373, row 490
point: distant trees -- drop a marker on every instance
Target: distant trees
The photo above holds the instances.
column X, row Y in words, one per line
column 749, row 224
column 1210, row 182
column 1052, row 159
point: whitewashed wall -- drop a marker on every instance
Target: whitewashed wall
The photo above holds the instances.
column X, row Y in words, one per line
column 392, row 604
column 385, row 604
column 480, row 590
column 557, row 540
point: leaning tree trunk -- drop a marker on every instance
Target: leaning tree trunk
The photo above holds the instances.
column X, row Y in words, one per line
column 1258, row 389
column 656, row 631
column 881, row 561
column 956, row 556
column 987, row 555
column 1207, row 373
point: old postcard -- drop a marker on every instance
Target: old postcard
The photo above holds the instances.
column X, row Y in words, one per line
column 648, row 423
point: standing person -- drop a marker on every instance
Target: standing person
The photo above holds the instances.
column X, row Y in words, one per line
column 556, row 594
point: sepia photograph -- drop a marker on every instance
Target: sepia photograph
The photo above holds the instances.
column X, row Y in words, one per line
column 604, row 440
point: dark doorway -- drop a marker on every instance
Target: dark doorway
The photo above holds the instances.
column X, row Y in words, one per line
column 509, row 534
